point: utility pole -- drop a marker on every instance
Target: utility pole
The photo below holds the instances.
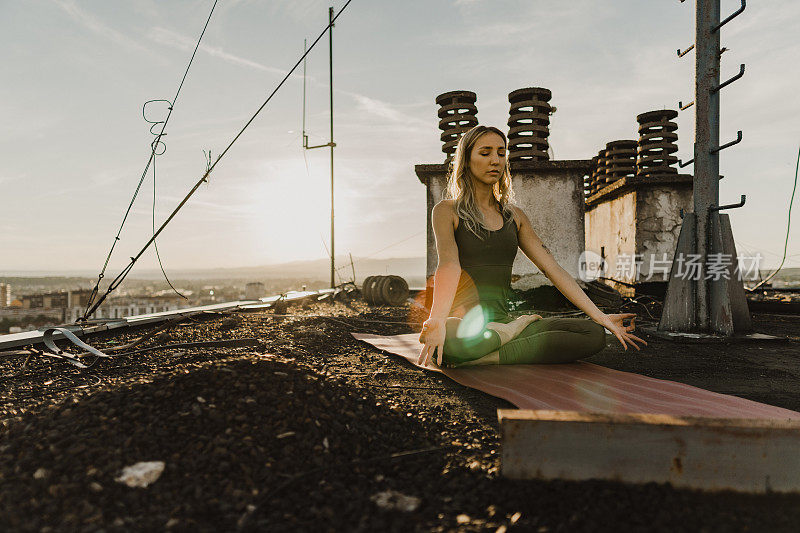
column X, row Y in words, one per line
column 331, row 143
column 714, row 301
column 330, row 64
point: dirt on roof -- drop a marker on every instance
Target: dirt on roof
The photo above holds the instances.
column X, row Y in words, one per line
column 312, row 430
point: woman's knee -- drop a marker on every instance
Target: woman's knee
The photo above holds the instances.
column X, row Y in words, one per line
column 597, row 335
column 592, row 334
column 462, row 346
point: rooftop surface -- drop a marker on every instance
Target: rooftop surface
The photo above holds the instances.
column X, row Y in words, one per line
column 309, row 429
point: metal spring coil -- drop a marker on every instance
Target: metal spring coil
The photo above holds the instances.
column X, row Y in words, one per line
column 599, row 175
column 457, row 115
column 620, row 159
column 657, row 139
column 529, row 124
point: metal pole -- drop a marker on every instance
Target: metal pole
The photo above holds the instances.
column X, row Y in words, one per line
column 706, row 161
column 305, row 50
column 330, row 41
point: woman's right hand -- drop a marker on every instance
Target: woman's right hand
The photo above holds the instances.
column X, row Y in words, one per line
column 432, row 336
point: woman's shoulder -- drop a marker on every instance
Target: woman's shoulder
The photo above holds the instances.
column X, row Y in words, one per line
column 447, row 204
column 518, row 214
column 446, row 208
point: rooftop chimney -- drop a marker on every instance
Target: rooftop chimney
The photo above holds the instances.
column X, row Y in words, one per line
column 657, row 139
column 457, row 115
column 529, row 124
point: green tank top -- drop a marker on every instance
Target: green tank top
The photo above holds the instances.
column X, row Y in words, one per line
column 485, row 270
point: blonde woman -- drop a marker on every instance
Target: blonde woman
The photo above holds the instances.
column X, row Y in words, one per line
column 478, row 231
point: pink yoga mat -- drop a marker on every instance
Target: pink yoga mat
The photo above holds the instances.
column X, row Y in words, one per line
column 585, row 387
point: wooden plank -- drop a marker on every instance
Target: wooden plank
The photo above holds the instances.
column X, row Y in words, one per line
column 745, row 455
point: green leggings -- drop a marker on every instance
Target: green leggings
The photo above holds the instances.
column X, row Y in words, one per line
column 548, row 340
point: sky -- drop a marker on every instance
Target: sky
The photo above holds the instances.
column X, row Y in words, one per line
column 77, row 73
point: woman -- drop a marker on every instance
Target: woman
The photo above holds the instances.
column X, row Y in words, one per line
column 469, row 322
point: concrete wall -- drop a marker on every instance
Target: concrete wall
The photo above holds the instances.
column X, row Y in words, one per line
column 658, row 224
column 553, row 200
column 550, row 193
column 610, row 228
column 641, row 223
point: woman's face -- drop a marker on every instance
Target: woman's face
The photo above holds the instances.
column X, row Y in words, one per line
column 488, row 158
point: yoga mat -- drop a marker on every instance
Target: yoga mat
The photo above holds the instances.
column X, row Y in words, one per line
column 585, row 387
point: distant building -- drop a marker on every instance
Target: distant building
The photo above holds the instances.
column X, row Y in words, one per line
column 20, row 314
column 48, row 300
column 5, row 295
column 78, row 298
column 127, row 306
column 254, row 291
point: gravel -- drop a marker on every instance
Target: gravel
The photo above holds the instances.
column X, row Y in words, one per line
column 312, row 431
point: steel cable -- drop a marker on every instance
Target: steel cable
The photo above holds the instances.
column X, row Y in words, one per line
column 153, row 149
column 115, row 283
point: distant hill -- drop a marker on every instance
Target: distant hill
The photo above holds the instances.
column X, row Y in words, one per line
column 410, row 268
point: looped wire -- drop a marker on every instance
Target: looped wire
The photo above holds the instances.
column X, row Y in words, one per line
column 157, row 142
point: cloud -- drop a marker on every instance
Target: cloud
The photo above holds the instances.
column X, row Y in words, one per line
column 382, row 109
column 528, row 24
column 9, row 178
column 302, row 9
column 97, row 26
column 181, row 42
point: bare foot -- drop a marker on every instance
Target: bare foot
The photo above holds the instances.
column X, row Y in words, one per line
column 513, row 328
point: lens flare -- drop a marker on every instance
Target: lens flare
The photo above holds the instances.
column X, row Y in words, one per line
column 472, row 324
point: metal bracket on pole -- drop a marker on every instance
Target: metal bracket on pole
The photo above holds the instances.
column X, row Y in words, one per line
column 682, row 164
column 730, row 18
column 726, row 145
column 681, row 54
column 713, row 207
column 685, row 107
column 733, row 79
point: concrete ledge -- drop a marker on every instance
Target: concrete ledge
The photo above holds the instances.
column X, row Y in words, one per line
column 428, row 170
column 745, row 455
column 623, row 185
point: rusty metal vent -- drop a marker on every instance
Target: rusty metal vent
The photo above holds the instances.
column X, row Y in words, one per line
column 529, row 124
column 620, row 159
column 599, row 174
column 657, row 140
column 457, row 115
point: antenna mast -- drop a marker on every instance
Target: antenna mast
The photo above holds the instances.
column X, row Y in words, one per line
column 331, row 143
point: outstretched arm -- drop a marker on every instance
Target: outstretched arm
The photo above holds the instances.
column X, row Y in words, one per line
column 533, row 247
column 445, row 283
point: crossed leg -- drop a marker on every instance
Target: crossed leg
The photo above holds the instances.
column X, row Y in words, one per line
column 524, row 341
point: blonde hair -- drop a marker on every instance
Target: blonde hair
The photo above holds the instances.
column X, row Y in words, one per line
column 461, row 187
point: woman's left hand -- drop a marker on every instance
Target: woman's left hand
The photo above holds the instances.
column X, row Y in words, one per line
column 614, row 324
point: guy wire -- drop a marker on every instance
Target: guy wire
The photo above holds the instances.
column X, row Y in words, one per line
column 154, row 146
column 155, row 244
column 115, row 283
